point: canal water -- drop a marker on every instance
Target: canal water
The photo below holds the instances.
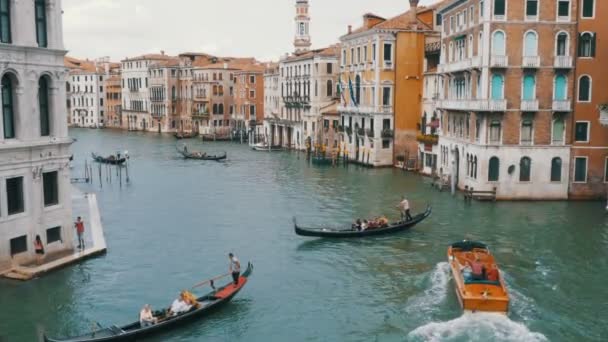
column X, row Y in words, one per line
column 176, row 221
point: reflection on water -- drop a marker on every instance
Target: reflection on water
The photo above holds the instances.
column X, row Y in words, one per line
column 173, row 225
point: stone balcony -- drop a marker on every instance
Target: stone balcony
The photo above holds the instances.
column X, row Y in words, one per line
column 562, row 105
column 531, row 62
column 563, row 62
column 529, row 105
column 499, row 61
column 366, row 109
column 474, row 105
column 465, row 64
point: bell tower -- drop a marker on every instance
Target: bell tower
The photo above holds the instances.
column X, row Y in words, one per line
column 301, row 41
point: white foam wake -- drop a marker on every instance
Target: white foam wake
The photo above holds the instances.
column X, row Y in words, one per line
column 435, row 293
column 476, row 327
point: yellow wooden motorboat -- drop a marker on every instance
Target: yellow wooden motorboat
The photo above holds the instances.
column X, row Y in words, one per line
column 479, row 285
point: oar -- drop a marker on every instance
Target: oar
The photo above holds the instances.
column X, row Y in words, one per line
column 210, row 281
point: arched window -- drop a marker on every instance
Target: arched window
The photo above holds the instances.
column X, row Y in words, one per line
column 330, row 88
column 5, row 21
column 560, row 91
column 525, row 166
column 41, row 28
column 494, row 169
column 556, row 169
column 8, row 110
column 215, row 109
column 559, row 128
column 498, row 43
column 561, row 46
column 584, row 89
column 475, row 167
column 586, row 45
column 358, row 89
column 529, row 88
column 531, row 44
column 173, row 93
column 221, row 108
column 497, row 87
column 43, row 105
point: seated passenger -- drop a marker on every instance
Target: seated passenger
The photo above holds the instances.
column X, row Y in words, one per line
column 179, row 306
column 383, row 222
column 357, row 225
column 364, row 225
column 493, row 273
column 477, row 269
column 146, row 318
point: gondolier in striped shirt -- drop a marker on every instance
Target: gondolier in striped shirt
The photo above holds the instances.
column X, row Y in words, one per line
column 404, row 206
column 235, row 268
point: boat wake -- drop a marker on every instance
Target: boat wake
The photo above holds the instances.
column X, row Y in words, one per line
column 476, row 327
column 429, row 300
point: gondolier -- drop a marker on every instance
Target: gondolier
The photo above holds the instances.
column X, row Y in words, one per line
column 404, row 206
column 235, row 268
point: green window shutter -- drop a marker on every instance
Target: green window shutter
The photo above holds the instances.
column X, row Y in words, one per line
column 593, row 45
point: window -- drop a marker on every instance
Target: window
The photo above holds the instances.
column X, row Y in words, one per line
column 559, row 128
column 525, row 166
column 586, row 45
column 14, row 195
column 388, row 53
column 584, row 89
column 51, row 188
column 531, row 8
column 481, row 9
column 497, row 87
column 527, row 127
column 43, row 105
column 252, row 111
column 580, row 170
column 386, row 144
column 529, row 88
column 330, row 88
column 562, row 44
column 53, row 235
column 358, row 90
column 386, row 96
column 556, row 169
column 588, row 8
column 330, row 68
column 498, row 43
column 8, row 113
column 499, row 7
column 494, row 170
column 531, row 44
column 581, row 131
column 5, row 22
column 18, row 245
column 560, row 85
column 495, row 132
column 41, row 34
column 252, row 79
column 606, row 171
column 563, row 8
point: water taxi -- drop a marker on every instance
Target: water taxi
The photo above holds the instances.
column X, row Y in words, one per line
column 479, row 285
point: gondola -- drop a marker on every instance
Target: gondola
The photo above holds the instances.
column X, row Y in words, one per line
column 132, row 332
column 352, row 233
column 180, row 136
column 200, row 156
column 109, row 160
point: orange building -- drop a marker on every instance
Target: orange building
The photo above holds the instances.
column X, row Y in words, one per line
column 249, row 98
column 382, row 69
column 114, row 99
column 589, row 174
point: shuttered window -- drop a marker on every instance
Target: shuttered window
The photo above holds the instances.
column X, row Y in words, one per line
column 588, row 8
column 5, row 22
column 499, row 7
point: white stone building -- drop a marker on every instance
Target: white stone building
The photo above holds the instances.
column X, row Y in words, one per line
column 35, row 185
column 430, row 123
column 87, row 93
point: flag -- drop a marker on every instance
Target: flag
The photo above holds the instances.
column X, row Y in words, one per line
column 352, row 92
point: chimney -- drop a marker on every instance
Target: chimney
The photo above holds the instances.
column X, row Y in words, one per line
column 162, row 52
column 413, row 10
column 350, row 29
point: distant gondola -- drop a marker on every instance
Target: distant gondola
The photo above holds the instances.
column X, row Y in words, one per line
column 134, row 331
column 180, row 136
column 200, row 156
column 353, row 233
column 108, row 160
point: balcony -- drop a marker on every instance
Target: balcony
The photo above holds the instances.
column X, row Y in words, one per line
column 428, row 139
column 499, row 61
column 563, row 62
column 388, row 133
column 531, row 62
column 465, row 64
column 474, row 105
column 370, row 133
column 562, row 105
column 529, row 105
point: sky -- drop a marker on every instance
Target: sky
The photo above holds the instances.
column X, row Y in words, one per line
column 262, row 28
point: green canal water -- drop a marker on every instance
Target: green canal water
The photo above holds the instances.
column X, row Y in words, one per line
column 173, row 225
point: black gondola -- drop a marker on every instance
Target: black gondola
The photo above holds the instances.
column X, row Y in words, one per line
column 134, row 331
column 180, row 136
column 109, row 160
column 353, row 233
column 201, row 156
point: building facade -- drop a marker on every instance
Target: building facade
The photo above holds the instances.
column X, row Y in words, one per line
column 35, row 188
column 507, row 76
column 589, row 165
column 272, row 97
column 249, row 99
column 87, row 92
column 430, row 122
column 114, row 100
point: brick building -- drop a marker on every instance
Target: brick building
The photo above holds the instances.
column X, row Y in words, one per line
column 114, row 98
column 249, row 98
column 508, row 79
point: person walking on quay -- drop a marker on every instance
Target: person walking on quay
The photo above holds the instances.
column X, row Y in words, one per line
column 235, row 268
column 39, row 249
column 404, row 206
column 79, row 224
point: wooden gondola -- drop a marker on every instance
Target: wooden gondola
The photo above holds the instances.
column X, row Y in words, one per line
column 182, row 135
column 134, row 331
column 112, row 160
column 265, row 148
column 200, row 156
column 353, row 233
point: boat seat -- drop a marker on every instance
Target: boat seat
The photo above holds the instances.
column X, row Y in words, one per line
column 482, row 282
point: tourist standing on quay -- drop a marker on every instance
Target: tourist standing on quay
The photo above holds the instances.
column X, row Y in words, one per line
column 79, row 224
column 235, row 268
column 39, row 249
column 404, row 206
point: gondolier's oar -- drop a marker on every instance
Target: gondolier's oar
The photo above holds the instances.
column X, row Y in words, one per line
column 210, row 281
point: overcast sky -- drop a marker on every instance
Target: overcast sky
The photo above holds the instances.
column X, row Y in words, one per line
column 262, row 28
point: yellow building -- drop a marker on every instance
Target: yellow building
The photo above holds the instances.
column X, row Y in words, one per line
column 381, row 74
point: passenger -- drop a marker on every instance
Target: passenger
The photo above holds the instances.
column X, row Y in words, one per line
column 179, row 305
column 493, row 274
column 383, row 222
column 372, row 224
column 364, row 225
column 358, row 224
column 477, row 269
column 146, row 318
